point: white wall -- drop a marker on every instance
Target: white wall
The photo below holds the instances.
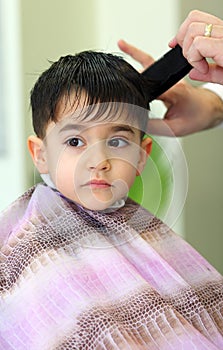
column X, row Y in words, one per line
column 12, row 167
column 146, row 24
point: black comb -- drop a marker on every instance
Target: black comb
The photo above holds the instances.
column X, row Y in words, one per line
column 166, row 72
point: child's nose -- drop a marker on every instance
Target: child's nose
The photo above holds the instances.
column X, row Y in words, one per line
column 101, row 166
column 98, row 159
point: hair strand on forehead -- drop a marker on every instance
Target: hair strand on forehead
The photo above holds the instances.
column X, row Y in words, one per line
column 99, row 77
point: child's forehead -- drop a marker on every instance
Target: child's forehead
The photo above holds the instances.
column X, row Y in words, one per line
column 98, row 113
column 70, row 123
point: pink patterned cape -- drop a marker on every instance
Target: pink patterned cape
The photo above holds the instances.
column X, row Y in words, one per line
column 71, row 278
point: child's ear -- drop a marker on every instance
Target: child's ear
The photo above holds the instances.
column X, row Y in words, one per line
column 37, row 150
column 146, row 148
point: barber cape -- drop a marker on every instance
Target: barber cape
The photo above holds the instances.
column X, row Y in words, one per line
column 72, row 278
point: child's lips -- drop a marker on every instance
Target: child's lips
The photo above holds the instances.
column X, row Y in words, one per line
column 97, row 184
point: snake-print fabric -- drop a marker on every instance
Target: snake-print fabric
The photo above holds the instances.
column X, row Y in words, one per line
column 71, row 278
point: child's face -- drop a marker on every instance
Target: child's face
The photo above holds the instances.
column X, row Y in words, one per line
column 92, row 163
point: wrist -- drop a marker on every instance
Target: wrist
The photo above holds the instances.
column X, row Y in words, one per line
column 214, row 106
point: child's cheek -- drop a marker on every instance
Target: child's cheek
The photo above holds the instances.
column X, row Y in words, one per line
column 64, row 173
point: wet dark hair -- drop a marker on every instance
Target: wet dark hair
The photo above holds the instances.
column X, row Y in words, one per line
column 103, row 77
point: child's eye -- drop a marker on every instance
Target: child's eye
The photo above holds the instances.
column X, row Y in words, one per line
column 117, row 142
column 75, row 142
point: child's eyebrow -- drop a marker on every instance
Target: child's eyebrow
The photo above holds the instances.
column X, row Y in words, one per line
column 127, row 128
column 80, row 127
column 77, row 127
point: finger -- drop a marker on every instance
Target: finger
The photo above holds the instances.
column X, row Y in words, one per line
column 170, row 128
column 195, row 17
column 159, row 127
column 173, row 42
column 192, row 17
column 214, row 74
column 208, row 48
column 196, row 32
column 171, row 96
column 138, row 55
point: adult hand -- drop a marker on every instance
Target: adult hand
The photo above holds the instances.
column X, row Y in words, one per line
column 197, row 47
column 138, row 55
column 189, row 109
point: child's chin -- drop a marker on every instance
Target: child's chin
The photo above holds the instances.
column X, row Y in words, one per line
column 97, row 205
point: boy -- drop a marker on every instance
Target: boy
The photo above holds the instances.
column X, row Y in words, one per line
column 82, row 266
